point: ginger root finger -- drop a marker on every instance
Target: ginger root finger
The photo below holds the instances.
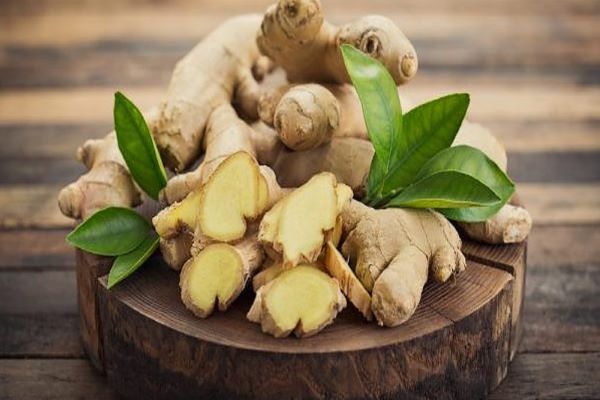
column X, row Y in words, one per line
column 413, row 243
column 303, row 300
column 176, row 250
column 297, row 226
column 212, row 74
column 306, row 116
column 107, row 182
column 218, row 274
column 338, row 268
column 295, row 35
column 511, row 224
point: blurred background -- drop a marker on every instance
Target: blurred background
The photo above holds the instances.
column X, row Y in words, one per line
column 532, row 69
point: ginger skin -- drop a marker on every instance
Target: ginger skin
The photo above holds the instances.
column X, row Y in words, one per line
column 394, row 251
column 216, row 72
column 511, row 225
column 303, row 300
column 295, row 35
column 224, row 68
column 337, row 267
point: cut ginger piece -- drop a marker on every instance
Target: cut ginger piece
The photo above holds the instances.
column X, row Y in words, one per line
column 338, row 268
column 234, row 193
column 218, row 274
column 266, row 275
column 303, row 300
column 297, row 226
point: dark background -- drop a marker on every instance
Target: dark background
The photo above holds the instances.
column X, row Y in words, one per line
column 532, row 69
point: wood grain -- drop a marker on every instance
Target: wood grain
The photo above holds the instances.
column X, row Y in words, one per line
column 467, row 323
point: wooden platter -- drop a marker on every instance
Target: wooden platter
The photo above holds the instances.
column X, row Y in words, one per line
column 457, row 345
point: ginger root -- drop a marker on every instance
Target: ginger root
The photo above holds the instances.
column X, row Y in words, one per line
column 107, row 182
column 296, row 37
column 234, row 193
column 303, row 300
column 297, row 226
column 218, row 274
column 511, row 224
column 216, row 72
column 307, row 116
column 394, row 251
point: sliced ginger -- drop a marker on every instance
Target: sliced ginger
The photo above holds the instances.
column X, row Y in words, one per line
column 296, row 228
column 234, row 193
column 218, row 274
column 338, row 268
column 303, row 300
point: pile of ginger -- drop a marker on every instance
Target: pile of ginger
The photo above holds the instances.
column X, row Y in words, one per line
column 281, row 169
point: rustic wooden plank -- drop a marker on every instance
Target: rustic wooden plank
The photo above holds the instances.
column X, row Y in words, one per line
column 40, row 335
column 562, row 309
column 544, row 136
column 34, row 206
column 80, row 26
column 35, row 250
column 524, row 167
column 51, row 379
column 505, row 7
column 488, row 101
column 562, row 203
column 551, row 376
column 45, row 292
column 519, row 137
column 550, row 246
column 457, row 48
column 31, row 206
column 554, row 167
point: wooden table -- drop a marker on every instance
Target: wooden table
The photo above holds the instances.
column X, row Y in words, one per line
column 533, row 71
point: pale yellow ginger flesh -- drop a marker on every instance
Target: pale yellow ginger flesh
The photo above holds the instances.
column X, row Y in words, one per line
column 296, row 228
column 394, row 251
column 218, row 274
column 267, row 275
column 303, row 300
column 234, row 193
column 337, row 267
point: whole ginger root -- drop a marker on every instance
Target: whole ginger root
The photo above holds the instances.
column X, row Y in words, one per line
column 394, row 251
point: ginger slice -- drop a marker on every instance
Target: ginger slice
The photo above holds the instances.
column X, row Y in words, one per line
column 218, row 274
column 267, row 275
column 338, row 268
column 296, row 228
column 303, row 300
column 234, row 193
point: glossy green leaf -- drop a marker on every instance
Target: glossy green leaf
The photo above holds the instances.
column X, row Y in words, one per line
column 127, row 264
column 445, row 189
column 474, row 163
column 137, row 147
column 382, row 112
column 427, row 130
column 111, row 231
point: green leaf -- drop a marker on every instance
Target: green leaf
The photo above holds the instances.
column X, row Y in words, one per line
column 428, row 129
column 475, row 163
column 382, row 112
column 137, row 147
column 445, row 189
column 127, row 264
column 111, row 231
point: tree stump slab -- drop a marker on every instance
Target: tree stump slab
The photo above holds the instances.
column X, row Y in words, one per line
column 458, row 345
